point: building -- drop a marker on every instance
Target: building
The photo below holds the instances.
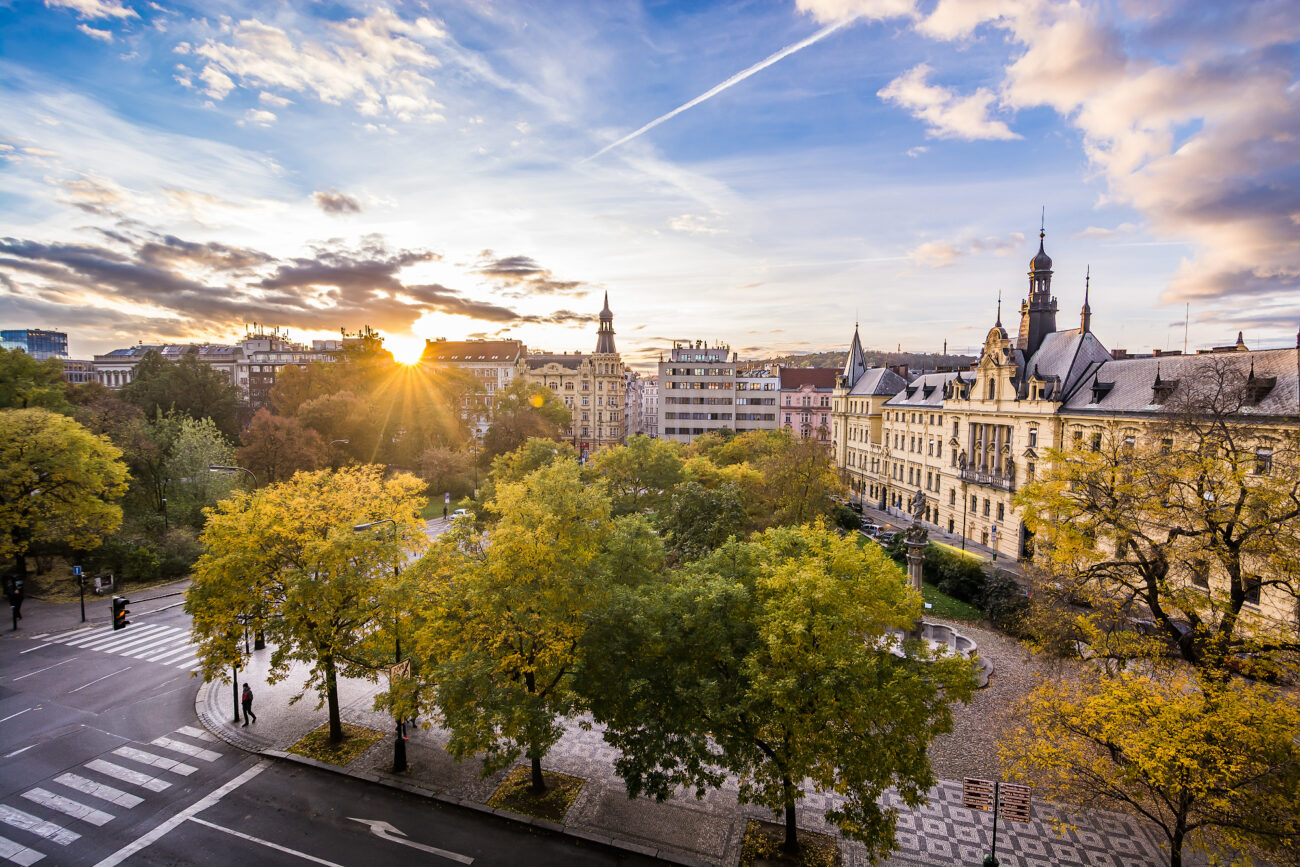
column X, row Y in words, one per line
column 806, row 394
column 758, row 392
column 77, row 371
column 650, row 406
column 969, row 439
column 697, row 390
column 493, row 364
column 36, row 342
column 591, row 386
column 632, row 421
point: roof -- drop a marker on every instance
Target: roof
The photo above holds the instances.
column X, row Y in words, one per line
column 878, row 381
column 856, row 363
column 926, row 391
column 473, row 350
column 571, row 360
column 1068, row 356
column 817, row 377
column 1128, row 385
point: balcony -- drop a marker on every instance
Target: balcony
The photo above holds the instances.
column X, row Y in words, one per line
column 988, row 480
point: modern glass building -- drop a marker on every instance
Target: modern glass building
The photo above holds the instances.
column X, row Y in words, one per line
column 37, row 343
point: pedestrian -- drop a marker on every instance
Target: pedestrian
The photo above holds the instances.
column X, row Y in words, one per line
column 16, row 600
column 247, row 700
column 444, row 513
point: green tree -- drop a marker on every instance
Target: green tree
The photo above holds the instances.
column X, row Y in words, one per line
column 191, row 488
column 28, row 383
column 641, row 473
column 1214, row 765
column 274, row 448
column 59, row 484
column 504, row 620
column 771, row 660
column 285, row 559
column 189, row 387
column 447, row 471
column 524, row 411
column 698, row 520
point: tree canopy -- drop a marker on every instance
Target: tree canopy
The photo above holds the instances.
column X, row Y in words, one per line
column 27, row 383
column 286, row 559
column 274, row 448
column 524, row 411
column 641, row 473
column 773, row 660
column 188, row 386
column 59, row 484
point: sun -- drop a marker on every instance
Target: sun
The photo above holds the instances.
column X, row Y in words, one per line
column 406, row 350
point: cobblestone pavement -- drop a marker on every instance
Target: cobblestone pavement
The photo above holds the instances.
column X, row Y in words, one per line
column 690, row 831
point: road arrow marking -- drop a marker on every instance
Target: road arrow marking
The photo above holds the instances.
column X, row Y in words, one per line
column 386, row 831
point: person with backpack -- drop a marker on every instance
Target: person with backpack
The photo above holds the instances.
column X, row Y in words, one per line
column 247, row 700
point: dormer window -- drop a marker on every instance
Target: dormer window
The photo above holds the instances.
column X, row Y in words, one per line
column 1100, row 390
column 1162, row 389
column 1257, row 388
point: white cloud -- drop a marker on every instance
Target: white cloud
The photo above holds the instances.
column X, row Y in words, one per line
column 258, row 117
column 917, row 151
column 1103, row 232
column 101, row 35
column 218, row 83
column 827, row 11
column 695, row 224
column 94, row 8
column 271, row 99
column 377, row 64
column 941, row 254
column 946, row 114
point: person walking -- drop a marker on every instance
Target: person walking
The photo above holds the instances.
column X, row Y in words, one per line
column 16, row 599
column 247, row 700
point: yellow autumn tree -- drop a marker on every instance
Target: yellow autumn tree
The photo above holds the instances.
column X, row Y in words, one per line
column 287, row 560
column 1215, row 765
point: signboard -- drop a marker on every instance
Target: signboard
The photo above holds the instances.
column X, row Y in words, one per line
column 402, row 669
column 1013, row 802
column 76, row 570
column 446, row 498
column 977, row 794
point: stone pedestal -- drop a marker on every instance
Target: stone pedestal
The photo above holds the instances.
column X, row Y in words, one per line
column 916, row 542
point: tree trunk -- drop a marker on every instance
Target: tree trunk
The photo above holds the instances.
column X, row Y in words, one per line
column 1176, row 848
column 791, row 844
column 539, row 782
column 332, row 700
column 534, row 753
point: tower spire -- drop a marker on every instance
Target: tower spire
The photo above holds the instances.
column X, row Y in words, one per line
column 605, row 334
column 1085, row 315
column 998, row 324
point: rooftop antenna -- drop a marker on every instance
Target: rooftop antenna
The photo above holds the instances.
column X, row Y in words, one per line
column 1187, row 315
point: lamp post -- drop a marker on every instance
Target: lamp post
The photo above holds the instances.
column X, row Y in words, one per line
column 399, row 742
column 221, row 468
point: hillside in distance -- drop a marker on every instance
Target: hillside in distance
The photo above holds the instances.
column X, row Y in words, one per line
column 916, row 361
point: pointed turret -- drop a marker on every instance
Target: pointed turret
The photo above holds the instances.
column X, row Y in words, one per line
column 1085, row 315
column 605, row 335
column 856, row 364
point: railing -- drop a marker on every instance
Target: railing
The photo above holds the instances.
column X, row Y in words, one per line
column 990, row 480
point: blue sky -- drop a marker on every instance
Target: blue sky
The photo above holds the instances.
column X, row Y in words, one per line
column 172, row 172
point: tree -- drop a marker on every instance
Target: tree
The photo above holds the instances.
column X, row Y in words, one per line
column 188, row 387
column 285, row 559
column 699, row 520
column 342, row 416
column 59, row 484
column 1179, row 528
column 640, row 473
column 772, row 660
column 28, row 383
column 525, row 411
column 198, row 444
column 275, row 448
column 447, row 471
column 1214, row 765
column 800, row 479
column 504, row 620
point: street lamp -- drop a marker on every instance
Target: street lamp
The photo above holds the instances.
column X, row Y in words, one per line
column 220, row 468
column 399, row 742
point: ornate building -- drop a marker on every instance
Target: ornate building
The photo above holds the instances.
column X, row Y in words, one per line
column 967, row 440
column 593, row 387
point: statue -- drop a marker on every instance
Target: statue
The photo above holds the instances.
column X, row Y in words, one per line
column 919, row 504
column 1011, row 468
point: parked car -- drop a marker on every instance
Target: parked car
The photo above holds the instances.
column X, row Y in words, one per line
column 886, row 537
column 459, row 513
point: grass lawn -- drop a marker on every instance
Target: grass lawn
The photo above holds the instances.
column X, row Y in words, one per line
column 433, row 509
column 953, row 549
column 515, row 794
column 762, row 846
column 947, row 607
column 59, row 585
column 356, row 740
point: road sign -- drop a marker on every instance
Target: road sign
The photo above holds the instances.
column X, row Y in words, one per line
column 76, row 570
column 402, row 669
column 446, row 498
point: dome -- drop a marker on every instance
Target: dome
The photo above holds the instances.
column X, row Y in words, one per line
column 1041, row 262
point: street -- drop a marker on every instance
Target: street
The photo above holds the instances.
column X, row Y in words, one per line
column 102, row 762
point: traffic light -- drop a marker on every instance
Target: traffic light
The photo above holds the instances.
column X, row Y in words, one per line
column 120, row 612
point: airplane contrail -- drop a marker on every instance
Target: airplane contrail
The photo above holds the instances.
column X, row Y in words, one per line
column 735, row 79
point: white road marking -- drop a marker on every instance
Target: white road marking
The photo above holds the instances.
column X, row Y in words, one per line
column 20, row 713
column 68, row 807
column 126, row 775
column 192, row 732
column 46, row 668
column 168, row 641
column 385, row 831
column 29, row 650
column 23, row 750
column 99, row 640
column 276, row 846
column 17, row 853
column 98, row 679
column 156, row 761
column 98, row 790
column 176, row 652
column 33, row 825
column 186, row 749
column 199, row 806
column 131, row 639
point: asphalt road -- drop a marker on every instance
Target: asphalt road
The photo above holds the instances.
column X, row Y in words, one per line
column 102, row 762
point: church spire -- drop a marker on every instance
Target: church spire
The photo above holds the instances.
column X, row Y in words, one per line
column 1085, row 315
column 856, row 364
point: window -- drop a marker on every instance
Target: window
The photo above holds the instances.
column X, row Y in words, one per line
column 1200, row 573
column 952, row 525
column 1001, row 511
column 952, row 497
column 987, row 504
column 992, row 389
column 1033, row 437
column 1029, row 470
column 1129, row 442
column 1166, row 446
column 1078, row 439
column 974, row 503
column 955, row 424
column 1096, row 441
column 1251, row 586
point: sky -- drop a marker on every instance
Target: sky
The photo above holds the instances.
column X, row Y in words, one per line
column 763, row 174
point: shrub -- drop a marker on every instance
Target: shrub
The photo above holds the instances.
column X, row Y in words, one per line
column 847, row 519
column 1005, row 602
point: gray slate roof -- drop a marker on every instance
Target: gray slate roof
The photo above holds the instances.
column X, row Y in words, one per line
column 1067, row 355
column 1131, row 382
column 924, row 392
column 878, row 381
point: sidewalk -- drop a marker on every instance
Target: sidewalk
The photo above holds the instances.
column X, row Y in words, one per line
column 895, row 519
column 682, row 830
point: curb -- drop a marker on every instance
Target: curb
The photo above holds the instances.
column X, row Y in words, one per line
column 258, row 746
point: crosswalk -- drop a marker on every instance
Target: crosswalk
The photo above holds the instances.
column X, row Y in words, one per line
column 150, row 642
column 55, row 813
